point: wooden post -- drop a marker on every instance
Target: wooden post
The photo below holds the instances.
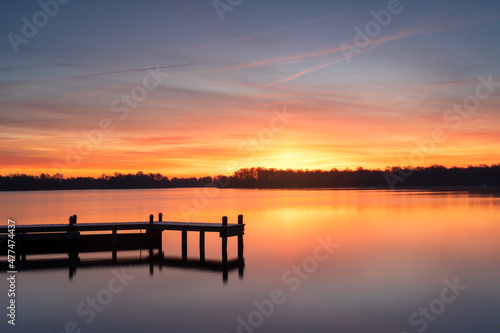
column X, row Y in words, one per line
column 72, row 247
column 240, row 239
column 184, row 245
column 150, row 236
column 72, row 222
column 224, row 241
column 114, row 244
column 225, row 269
column 202, row 246
column 159, row 237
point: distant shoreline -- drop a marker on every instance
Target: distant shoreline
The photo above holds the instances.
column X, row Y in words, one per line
column 407, row 178
column 486, row 189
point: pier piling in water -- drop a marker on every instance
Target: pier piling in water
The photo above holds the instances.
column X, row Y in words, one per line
column 224, row 241
column 202, row 246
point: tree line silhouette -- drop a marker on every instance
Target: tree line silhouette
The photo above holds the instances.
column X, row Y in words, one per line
column 399, row 177
column 435, row 175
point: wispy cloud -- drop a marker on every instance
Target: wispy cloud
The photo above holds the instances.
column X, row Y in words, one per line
column 130, row 70
column 17, row 67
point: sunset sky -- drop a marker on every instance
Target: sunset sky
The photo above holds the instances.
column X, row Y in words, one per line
column 284, row 84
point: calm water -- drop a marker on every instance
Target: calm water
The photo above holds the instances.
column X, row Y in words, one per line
column 395, row 251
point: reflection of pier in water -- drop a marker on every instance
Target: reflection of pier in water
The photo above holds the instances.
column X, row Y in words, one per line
column 64, row 238
column 157, row 261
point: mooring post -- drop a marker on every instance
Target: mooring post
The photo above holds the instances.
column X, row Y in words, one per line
column 160, row 217
column 224, row 241
column 202, row 246
column 184, row 245
column 72, row 222
column 240, row 239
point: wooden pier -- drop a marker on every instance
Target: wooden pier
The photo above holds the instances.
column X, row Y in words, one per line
column 74, row 238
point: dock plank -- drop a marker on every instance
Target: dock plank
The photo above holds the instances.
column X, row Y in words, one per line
column 110, row 226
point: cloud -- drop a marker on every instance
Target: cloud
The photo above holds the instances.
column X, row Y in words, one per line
column 130, row 70
column 8, row 68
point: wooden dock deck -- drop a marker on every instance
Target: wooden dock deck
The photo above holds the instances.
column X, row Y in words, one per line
column 74, row 238
column 110, row 226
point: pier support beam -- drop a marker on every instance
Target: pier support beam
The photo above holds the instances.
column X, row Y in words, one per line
column 241, row 262
column 114, row 244
column 224, row 241
column 150, row 238
column 184, row 245
column 240, row 239
column 202, row 246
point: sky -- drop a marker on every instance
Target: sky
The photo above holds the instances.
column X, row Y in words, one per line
column 201, row 87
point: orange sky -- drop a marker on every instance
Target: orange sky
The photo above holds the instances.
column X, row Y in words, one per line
column 312, row 134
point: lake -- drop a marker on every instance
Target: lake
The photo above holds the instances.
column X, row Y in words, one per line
column 315, row 261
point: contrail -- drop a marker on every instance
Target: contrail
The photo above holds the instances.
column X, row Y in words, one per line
column 130, row 70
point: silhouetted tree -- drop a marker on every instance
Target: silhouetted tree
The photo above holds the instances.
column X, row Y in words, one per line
column 434, row 175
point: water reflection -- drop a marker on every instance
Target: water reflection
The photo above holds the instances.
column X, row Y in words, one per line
column 158, row 261
column 397, row 248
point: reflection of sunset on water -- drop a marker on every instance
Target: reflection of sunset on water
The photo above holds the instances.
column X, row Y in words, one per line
column 396, row 247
